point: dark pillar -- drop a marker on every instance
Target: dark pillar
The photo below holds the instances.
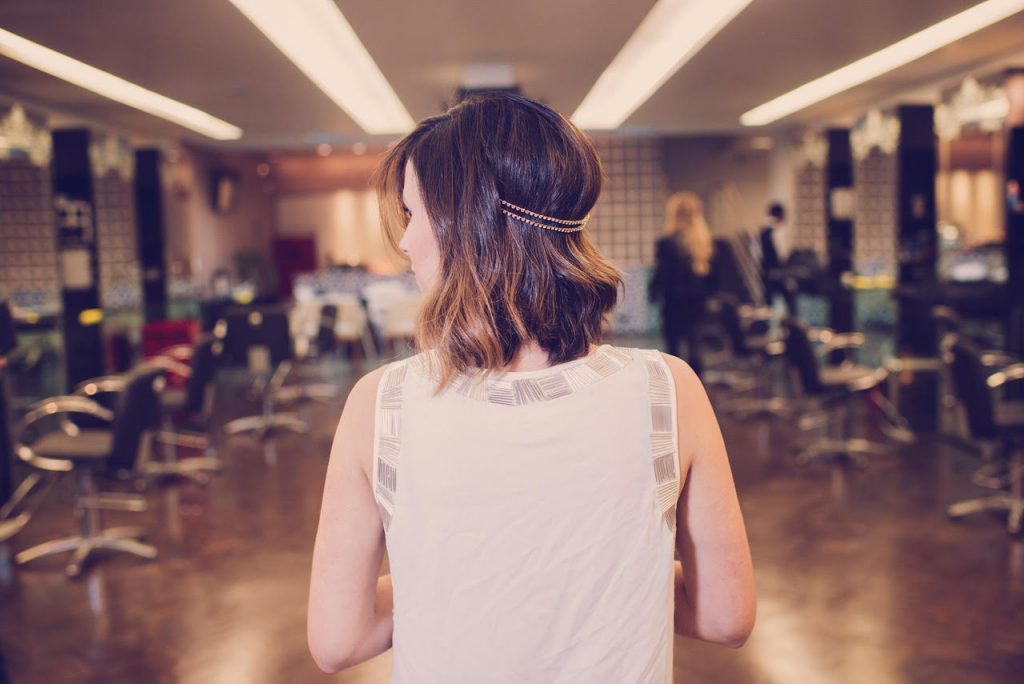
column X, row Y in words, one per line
column 7, row 344
column 149, row 231
column 839, row 228
column 916, row 244
column 1015, row 240
column 76, row 255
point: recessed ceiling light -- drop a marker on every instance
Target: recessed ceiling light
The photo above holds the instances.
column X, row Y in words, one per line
column 113, row 87
column 317, row 38
column 671, row 33
column 874, row 65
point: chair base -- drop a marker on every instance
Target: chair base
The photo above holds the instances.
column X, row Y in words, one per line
column 263, row 426
column 856, row 451
column 776, row 407
column 734, row 380
column 195, row 469
column 1013, row 505
column 289, row 394
column 116, row 539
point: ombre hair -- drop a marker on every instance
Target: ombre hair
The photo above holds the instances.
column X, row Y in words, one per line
column 684, row 220
column 503, row 282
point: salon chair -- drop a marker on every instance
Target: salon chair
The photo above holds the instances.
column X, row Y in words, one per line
column 49, row 441
column 996, row 424
column 829, row 391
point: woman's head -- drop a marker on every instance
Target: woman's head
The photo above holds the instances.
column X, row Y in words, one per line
column 684, row 220
column 494, row 281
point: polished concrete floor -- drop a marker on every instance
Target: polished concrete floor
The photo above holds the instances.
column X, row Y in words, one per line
column 861, row 577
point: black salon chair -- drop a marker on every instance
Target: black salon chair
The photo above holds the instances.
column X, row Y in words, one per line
column 830, row 390
column 996, row 424
column 260, row 339
column 49, row 441
column 752, row 348
column 179, row 427
column 192, row 405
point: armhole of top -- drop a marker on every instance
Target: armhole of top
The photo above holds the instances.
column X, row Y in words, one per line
column 387, row 439
column 664, row 433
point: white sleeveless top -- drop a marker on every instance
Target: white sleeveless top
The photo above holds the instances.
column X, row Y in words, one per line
column 530, row 521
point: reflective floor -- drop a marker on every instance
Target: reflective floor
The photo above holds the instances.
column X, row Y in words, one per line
column 861, row 577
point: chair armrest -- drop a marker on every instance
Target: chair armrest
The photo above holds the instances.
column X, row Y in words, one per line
column 752, row 314
column 170, row 365
column 53, row 465
column 178, row 351
column 1009, row 374
column 189, row 440
column 55, row 406
column 842, row 341
column 104, row 384
column 820, row 334
column 869, row 381
column 63, row 405
column 996, row 357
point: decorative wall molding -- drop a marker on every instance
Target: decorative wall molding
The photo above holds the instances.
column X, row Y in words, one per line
column 973, row 105
column 19, row 134
column 109, row 153
column 813, row 149
column 875, row 131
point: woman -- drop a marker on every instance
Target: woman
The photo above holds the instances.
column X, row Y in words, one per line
column 681, row 269
column 528, row 485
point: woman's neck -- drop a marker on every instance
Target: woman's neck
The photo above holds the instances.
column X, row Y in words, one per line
column 531, row 357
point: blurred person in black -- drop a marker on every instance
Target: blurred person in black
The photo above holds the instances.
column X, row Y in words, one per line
column 682, row 271
column 775, row 248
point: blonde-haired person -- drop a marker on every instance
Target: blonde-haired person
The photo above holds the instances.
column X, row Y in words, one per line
column 529, row 486
column 682, row 270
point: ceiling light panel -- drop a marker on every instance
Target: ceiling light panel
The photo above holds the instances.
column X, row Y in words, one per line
column 874, row 65
column 671, row 33
column 113, row 87
column 317, row 38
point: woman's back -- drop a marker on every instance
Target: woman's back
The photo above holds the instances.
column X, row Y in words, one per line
column 529, row 521
column 529, row 518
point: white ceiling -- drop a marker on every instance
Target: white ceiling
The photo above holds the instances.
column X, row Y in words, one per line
column 206, row 54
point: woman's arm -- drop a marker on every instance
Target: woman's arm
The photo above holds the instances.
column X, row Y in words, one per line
column 350, row 617
column 715, row 598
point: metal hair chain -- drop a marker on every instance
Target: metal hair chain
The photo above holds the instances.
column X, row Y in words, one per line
column 571, row 226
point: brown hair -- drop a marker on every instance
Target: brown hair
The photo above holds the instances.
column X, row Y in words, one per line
column 684, row 220
column 503, row 282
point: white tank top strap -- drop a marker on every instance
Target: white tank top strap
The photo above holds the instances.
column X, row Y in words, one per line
column 664, row 432
column 387, row 443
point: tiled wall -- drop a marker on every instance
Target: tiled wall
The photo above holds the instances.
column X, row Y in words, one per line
column 809, row 216
column 28, row 259
column 630, row 212
column 874, row 244
column 120, row 280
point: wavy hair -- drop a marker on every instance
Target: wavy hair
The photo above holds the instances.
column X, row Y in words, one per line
column 502, row 282
column 684, row 220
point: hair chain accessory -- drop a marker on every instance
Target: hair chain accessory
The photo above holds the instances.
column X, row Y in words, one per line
column 560, row 225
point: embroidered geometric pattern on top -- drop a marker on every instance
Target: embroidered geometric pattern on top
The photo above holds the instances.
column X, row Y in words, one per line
column 387, row 447
column 663, row 434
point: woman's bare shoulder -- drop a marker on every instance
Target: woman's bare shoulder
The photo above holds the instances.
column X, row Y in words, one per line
column 354, row 436
column 365, row 389
column 686, row 381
